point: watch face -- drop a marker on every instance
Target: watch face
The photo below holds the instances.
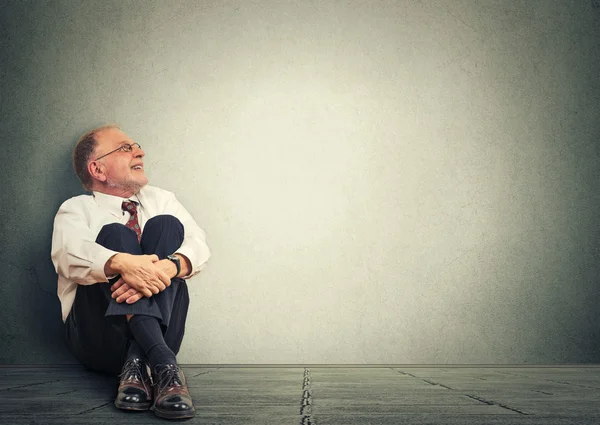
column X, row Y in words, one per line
column 175, row 260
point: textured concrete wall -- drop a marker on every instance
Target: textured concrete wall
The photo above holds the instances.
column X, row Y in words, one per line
column 381, row 182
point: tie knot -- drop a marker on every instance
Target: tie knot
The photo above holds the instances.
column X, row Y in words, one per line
column 129, row 206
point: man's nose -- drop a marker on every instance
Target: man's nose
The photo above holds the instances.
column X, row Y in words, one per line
column 138, row 152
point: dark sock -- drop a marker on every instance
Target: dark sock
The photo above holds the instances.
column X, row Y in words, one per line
column 146, row 331
column 135, row 350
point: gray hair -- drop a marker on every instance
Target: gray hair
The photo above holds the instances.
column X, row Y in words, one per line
column 85, row 147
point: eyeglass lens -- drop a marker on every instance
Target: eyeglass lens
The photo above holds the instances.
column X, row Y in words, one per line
column 129, row 148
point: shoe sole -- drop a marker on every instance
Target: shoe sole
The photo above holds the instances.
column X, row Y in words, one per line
column 174, row 415
column 138, row 407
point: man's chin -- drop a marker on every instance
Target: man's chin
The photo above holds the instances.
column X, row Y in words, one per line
column 137, row 187
column 139, row 181
column 130, row 186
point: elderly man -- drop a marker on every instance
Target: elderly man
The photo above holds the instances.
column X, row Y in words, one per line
column 122, row 254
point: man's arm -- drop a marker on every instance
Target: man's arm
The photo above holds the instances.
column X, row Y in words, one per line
column 139, row 272
column 194, row 248
column 170, row 268
column 75, row 253
column 193, row 252
column 78, row 257
column 123, row 292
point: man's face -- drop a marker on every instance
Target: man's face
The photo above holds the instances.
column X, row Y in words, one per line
column 123, row 171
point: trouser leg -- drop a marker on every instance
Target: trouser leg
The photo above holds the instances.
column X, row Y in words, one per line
column 98, row 342
column 162, row 236
column 97, row 330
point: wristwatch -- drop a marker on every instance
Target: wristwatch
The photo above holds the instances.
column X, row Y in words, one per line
column 176, row 261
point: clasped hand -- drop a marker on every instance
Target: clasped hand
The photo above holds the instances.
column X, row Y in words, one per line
column 140, row 277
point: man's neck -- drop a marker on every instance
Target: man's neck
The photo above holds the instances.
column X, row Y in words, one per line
column 115, row 191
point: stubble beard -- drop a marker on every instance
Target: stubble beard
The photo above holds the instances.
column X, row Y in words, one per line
column 126, row 186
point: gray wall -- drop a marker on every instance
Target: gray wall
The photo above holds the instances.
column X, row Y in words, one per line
column 381, row 182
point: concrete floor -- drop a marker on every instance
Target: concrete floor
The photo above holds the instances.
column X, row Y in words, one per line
column 319, row 395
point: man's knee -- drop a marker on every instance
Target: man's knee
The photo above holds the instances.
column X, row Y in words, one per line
column 163, row 222
column 117, row 237
column 164, row 226
column 162, row 235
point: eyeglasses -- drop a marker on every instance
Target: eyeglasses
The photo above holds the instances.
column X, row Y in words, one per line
column 127, row 147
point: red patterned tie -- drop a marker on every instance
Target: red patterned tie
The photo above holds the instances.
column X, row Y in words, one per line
column 132, row 223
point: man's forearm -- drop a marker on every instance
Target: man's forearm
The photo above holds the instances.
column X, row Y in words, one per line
column 124, row 292
column 114, row 265
column 170, row 268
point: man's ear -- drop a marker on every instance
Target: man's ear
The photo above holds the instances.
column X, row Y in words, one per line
column 97, row 170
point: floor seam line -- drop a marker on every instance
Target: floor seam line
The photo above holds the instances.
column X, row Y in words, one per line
column 306, row 401
column 495, row 403
column 94, row 408
column 31, row 385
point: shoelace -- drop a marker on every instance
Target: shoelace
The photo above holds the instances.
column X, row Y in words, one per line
column 167, row 376
column 133, row 369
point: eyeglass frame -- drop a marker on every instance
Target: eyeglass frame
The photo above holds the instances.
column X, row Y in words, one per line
column 120, row 148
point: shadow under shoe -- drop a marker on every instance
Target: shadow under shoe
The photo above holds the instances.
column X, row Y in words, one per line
column 135, row 387
column 172, row 399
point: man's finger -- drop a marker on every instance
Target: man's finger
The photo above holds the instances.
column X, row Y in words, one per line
column 159, row 285
column 134, row 298
column 153, row 258
column 126, row 295
column 164, row 278
column 117, row 284
column 146, row 292
column 124, row 288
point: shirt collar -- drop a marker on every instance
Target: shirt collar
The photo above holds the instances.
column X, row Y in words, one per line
column 112, row 203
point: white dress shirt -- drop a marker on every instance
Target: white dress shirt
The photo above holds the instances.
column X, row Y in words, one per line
column 78, row 259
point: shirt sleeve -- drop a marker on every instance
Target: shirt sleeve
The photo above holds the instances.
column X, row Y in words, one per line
column 194, row 245
column 75, row 254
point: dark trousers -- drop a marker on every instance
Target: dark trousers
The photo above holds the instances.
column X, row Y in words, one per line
column 96, row 328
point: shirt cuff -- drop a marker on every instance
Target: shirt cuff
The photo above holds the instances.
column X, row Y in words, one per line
column 197, row 257
column 99, row 262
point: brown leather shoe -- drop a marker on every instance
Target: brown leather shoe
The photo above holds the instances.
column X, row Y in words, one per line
column 172, row 399
column 134, row 389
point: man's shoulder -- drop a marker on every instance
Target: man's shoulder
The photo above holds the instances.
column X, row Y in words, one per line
column 78, row 201
column 156, row 200
column 76, row 206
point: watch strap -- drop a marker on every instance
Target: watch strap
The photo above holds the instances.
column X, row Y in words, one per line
column 177, row 263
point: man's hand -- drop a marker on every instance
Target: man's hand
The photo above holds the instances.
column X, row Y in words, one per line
column 124, row 292
column 139, row 273
column 167, row 267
